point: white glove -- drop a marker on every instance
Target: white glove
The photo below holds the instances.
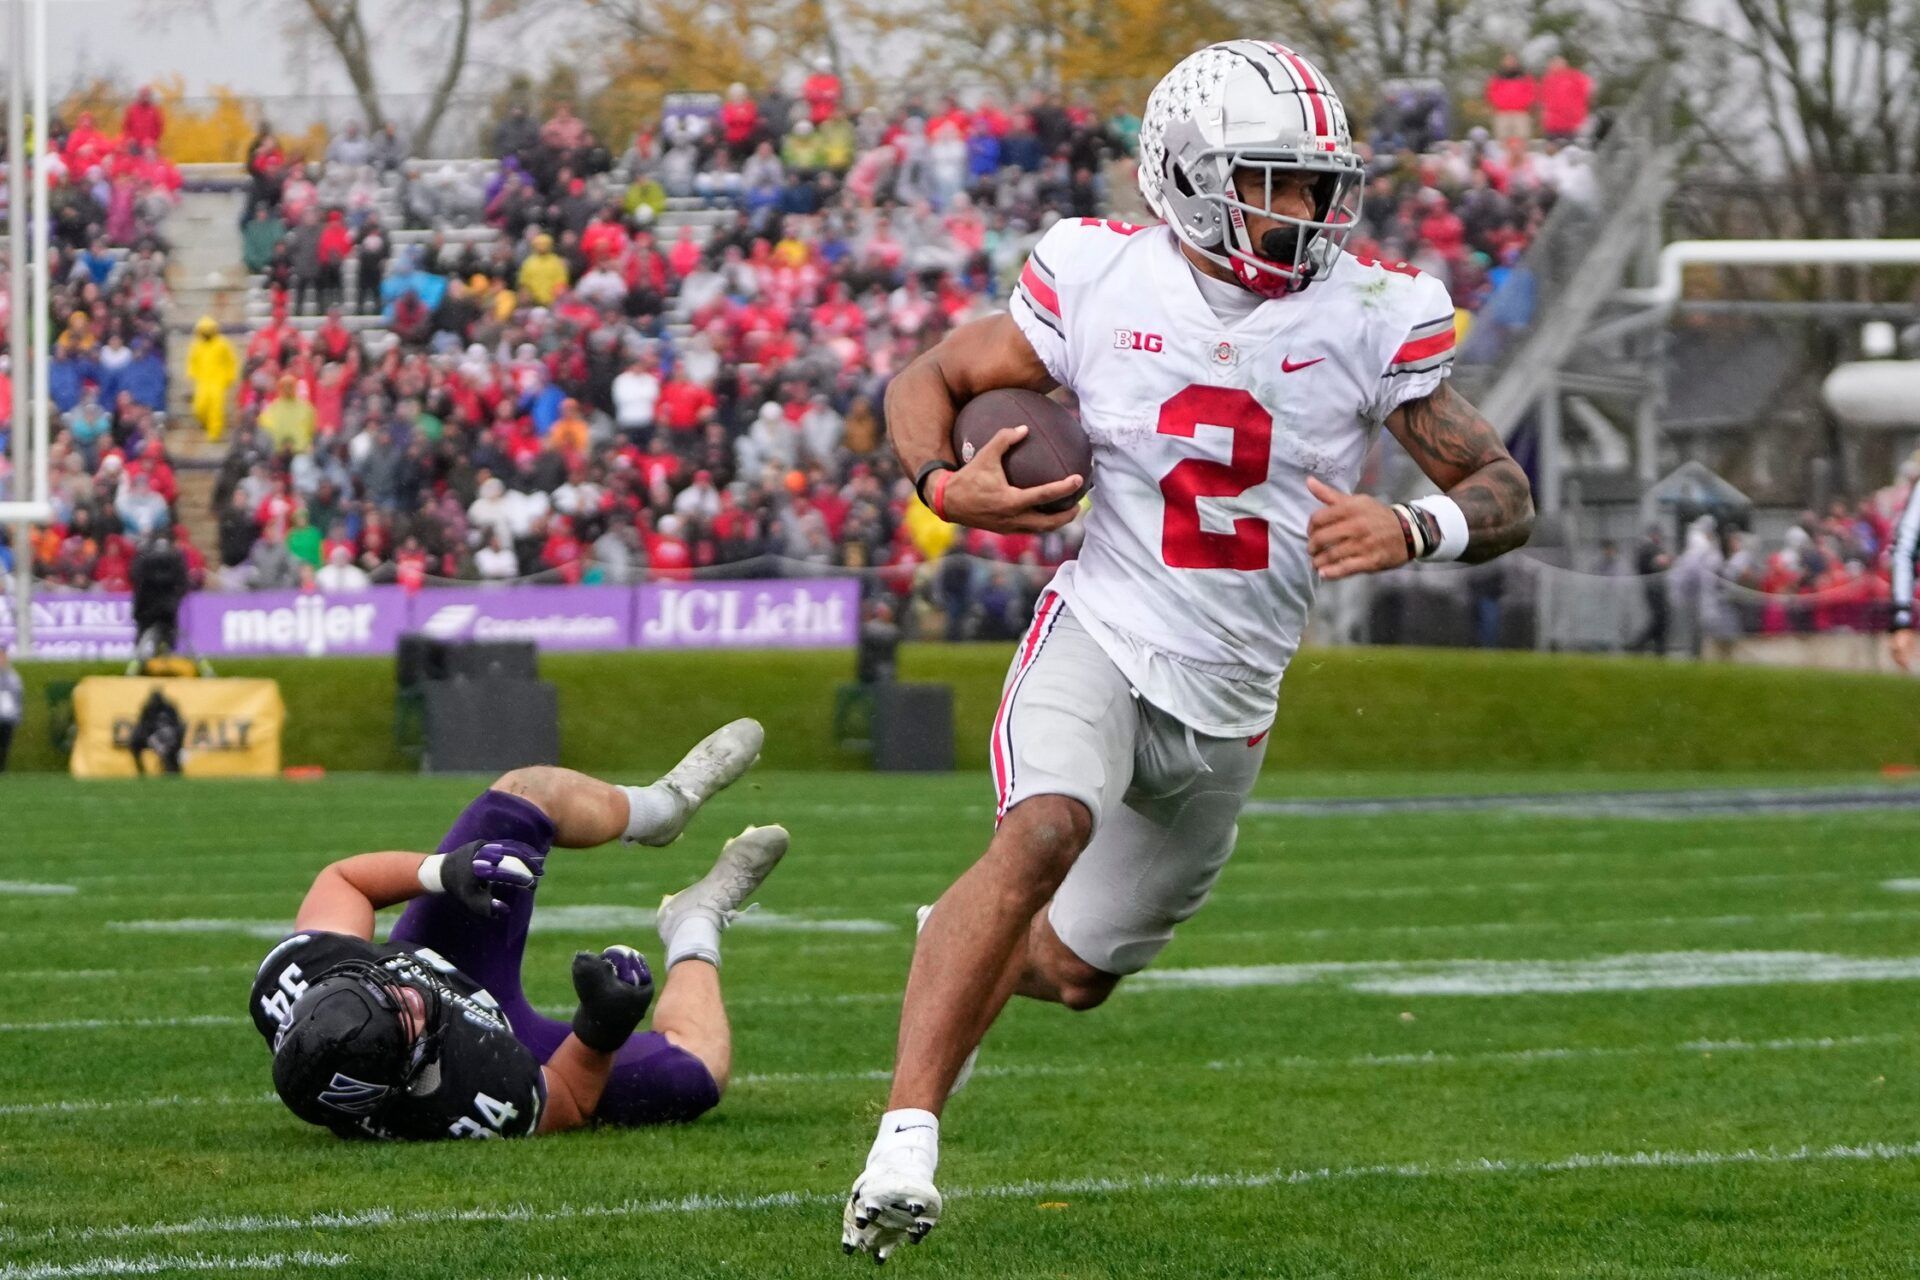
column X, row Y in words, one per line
column 889, row 1204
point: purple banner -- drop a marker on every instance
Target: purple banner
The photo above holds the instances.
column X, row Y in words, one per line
column 798, row 613
column 551, row 617
column 815, row 612
column 74, row 625
column 288, row 622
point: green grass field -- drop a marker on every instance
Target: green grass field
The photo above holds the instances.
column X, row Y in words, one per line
column 1585, row 1042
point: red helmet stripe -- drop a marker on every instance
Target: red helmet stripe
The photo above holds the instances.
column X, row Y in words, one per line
column 1313, row 89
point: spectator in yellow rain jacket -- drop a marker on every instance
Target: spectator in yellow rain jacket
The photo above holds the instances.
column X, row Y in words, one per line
column 288, row 419
column 212, row 368
column 544, row 273
column 930, row 535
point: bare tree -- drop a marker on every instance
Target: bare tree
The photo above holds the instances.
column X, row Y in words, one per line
column 438, row 35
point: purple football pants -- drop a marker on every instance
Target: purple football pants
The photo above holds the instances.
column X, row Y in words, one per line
column 653, row 1082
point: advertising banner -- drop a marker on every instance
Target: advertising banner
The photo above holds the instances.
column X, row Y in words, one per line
column 552, row 617
column 783, row 613
column 75, row 626
column 803, row 613
column 226, row 728
column 292, row 623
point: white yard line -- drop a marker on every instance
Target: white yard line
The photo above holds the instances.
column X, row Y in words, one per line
column 990, row 1070
column 120, row 1024
column 387, row 1216
column 171, row 1262
column 1614, row 884
column 80, row 1106
column 82, row 975
column 32, row 888
column 1634, row 971
column 1556, row 926
column 576, row 918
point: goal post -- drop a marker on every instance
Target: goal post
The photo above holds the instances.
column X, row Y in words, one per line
column 28, row 339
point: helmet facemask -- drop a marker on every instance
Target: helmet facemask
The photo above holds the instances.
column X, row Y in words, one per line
column 1291, row 255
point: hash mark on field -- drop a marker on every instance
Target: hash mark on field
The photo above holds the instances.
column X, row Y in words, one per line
column 1430, row 1058
column 1603, row 1161
column 33, row 889
column 171, row 1262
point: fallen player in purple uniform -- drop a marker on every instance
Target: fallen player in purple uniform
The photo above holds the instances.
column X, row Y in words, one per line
column 429, row 1034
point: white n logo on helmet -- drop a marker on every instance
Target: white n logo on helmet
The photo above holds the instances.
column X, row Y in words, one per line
column 355, row 1097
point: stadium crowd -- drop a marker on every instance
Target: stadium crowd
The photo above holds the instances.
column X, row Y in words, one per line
column 672, row 360
column 609, row 386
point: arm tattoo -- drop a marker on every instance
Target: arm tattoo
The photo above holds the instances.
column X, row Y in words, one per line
column 1461, row 452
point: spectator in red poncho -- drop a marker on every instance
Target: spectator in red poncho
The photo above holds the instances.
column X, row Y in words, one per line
column 667, row 551
column 682, row 403
column 1565, row 93
column 822, row 92
column 86, row 146
column 562, row 551
column 605, row 239
column 410, row 566
column 332, row 341
column 336, row 246
column 684, row 256
column 144, row 121
column 113, row 571
column 739, row 121
column 1441, row 227
column 1511, row 93
column 658, row 468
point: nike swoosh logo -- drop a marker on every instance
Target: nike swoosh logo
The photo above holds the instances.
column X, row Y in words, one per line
column 902, row 1128
column 1288, row 366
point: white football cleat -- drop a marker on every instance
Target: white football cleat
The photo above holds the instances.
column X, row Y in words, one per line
column 743, row 865
column 966, row 1068
column 889, row 1206
column 718, row 761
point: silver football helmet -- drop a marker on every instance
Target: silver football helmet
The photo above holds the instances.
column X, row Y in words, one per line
column 1250, row 104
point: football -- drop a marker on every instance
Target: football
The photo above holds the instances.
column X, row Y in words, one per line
column 1054, row 449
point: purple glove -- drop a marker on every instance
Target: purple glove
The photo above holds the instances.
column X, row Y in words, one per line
column 615, row 988
column 474, row 872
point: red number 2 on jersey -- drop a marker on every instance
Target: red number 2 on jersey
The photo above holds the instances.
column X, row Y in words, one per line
column 1183, row 543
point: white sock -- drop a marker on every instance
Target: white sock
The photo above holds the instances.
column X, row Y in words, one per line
column 696, row 938
column 910, row 1138
column 650, row 810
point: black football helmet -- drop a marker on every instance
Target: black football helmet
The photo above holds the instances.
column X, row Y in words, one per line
column 345, row 1053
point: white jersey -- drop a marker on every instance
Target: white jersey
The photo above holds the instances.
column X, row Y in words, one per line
column 1194, row 576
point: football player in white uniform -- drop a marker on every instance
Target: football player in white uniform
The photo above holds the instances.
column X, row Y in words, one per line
column 1232, row 366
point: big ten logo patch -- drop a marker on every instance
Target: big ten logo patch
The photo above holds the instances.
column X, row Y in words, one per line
column 1134, row 340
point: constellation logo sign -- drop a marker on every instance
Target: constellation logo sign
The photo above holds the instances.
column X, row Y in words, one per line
column 819, row 613
column 551, row 617
column 290, row 623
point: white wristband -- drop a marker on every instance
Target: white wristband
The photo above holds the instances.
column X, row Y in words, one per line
column 430, row 873
column 1453, row 525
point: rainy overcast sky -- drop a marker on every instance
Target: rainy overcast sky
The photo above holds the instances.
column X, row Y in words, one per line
column 243, row 46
